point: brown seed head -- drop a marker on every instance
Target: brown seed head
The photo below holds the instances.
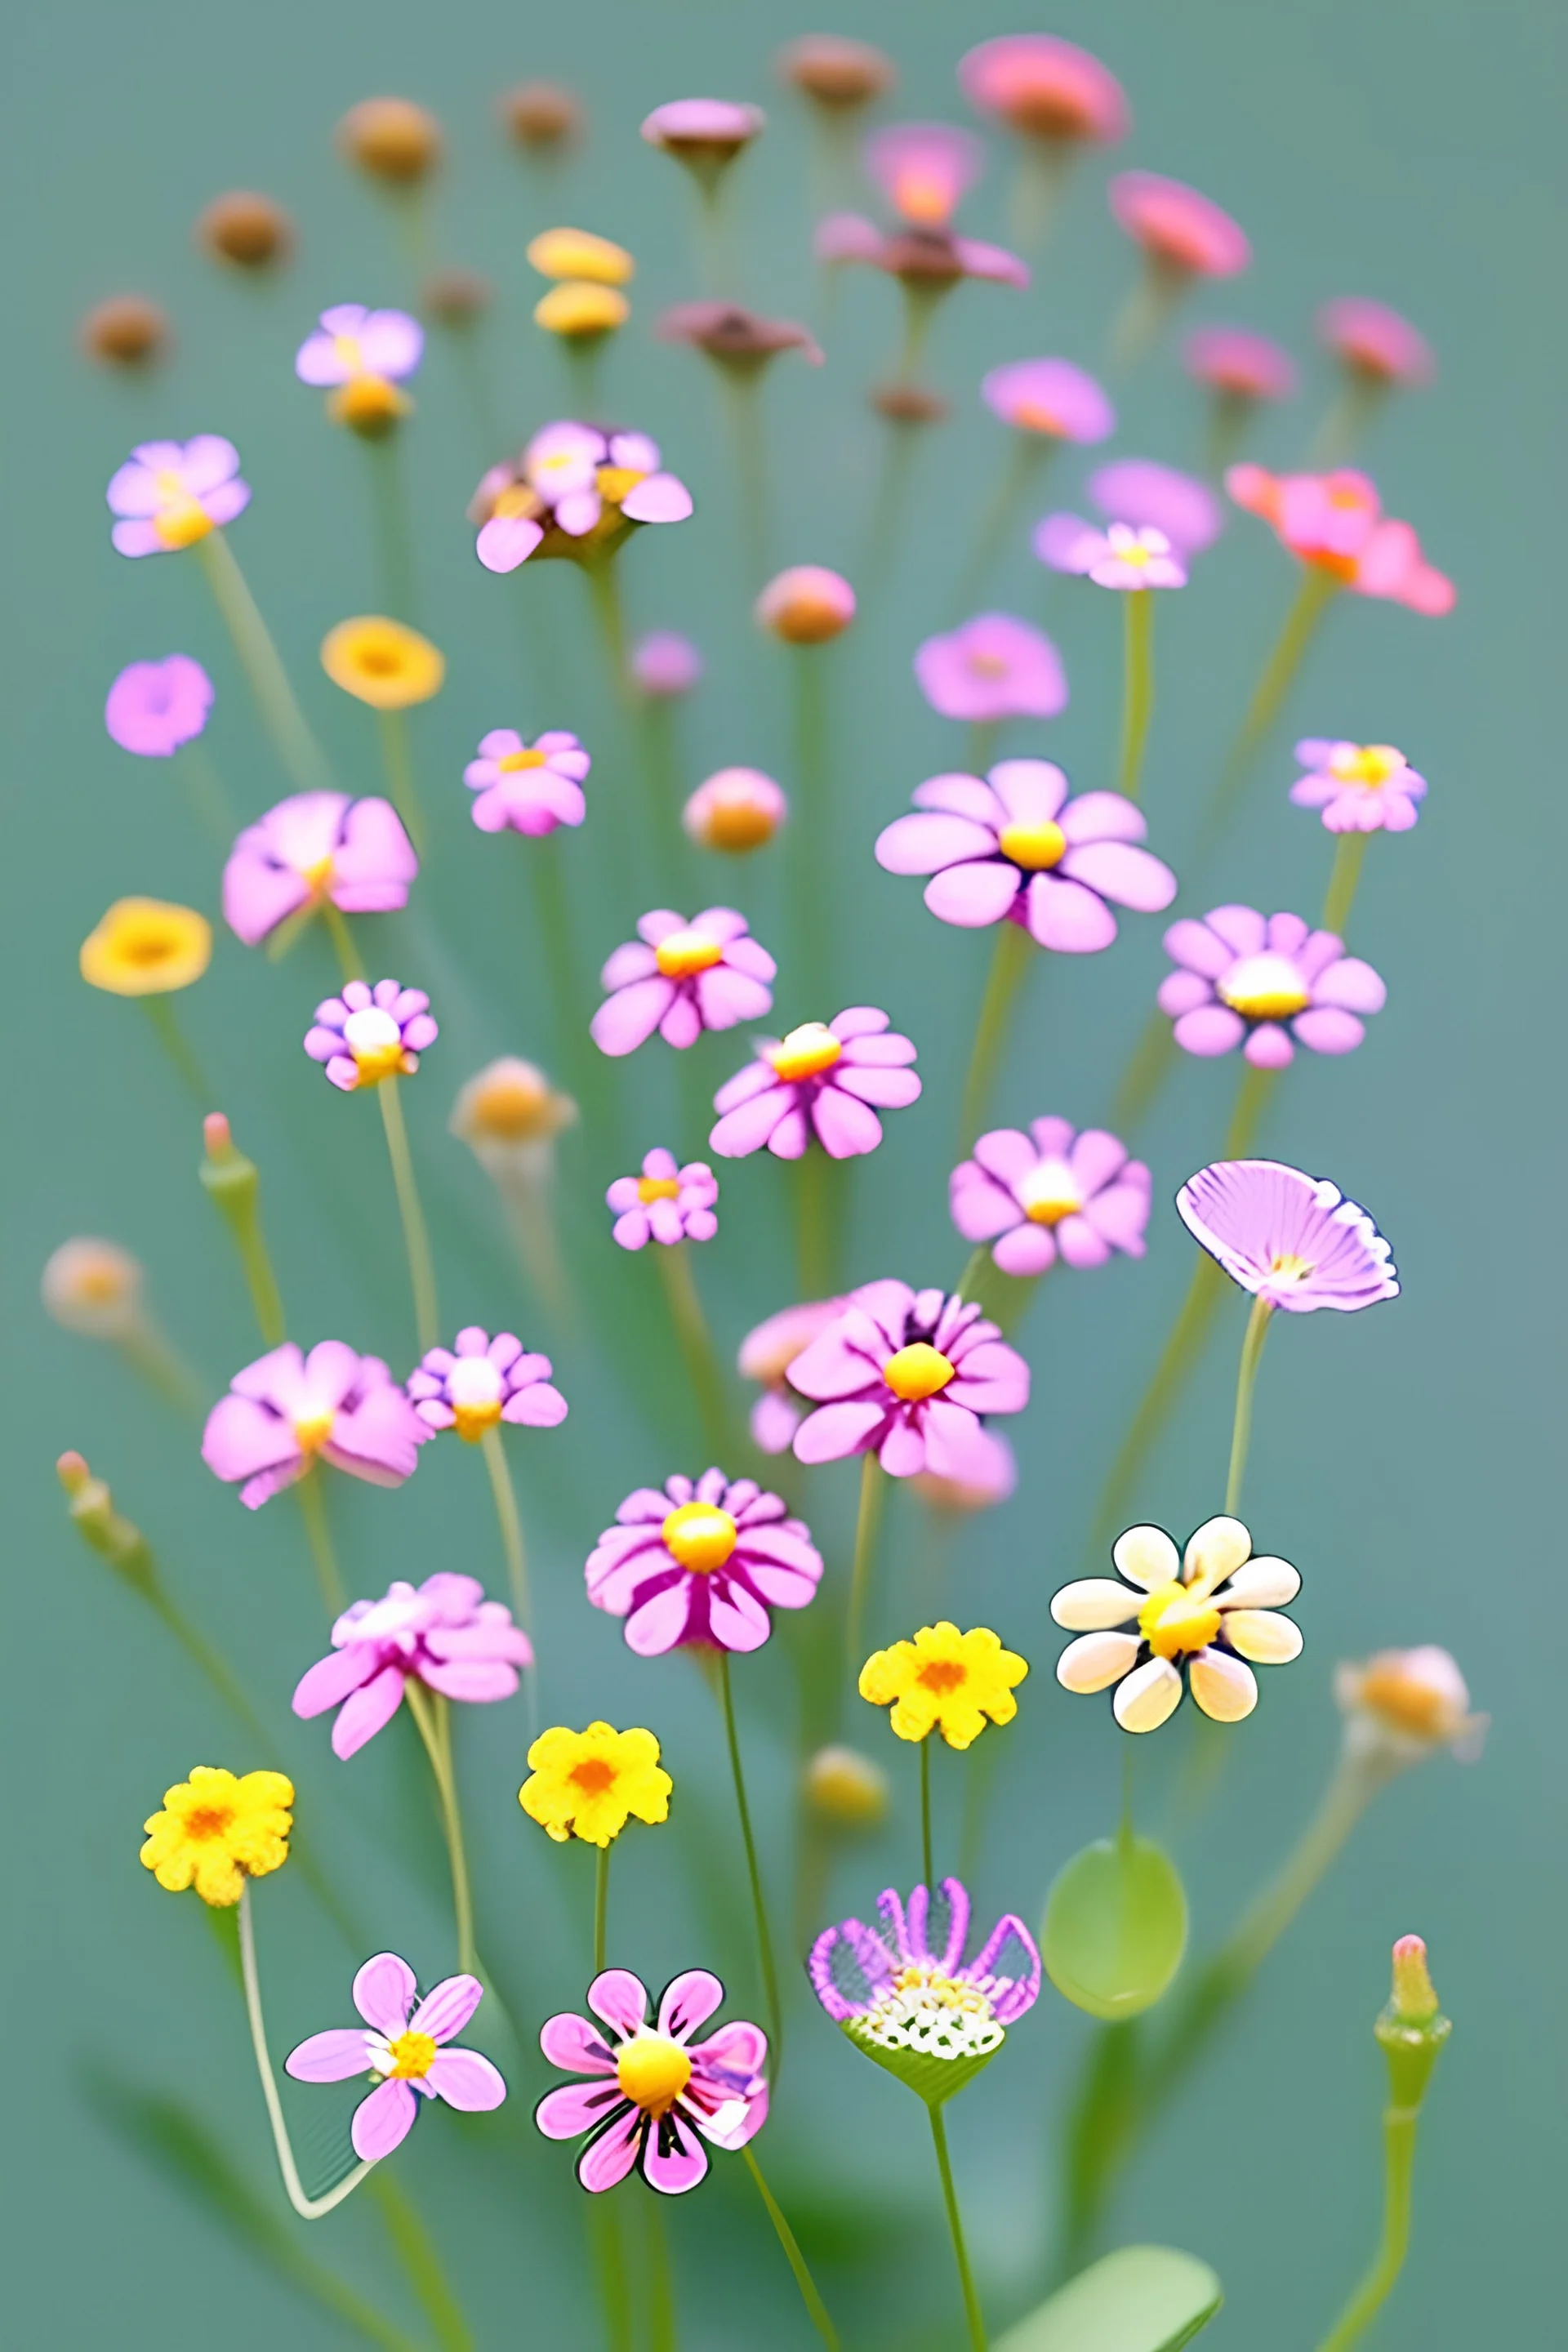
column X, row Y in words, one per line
column 541, row 114
column 247, row 230
column 125, row 332
column 392, row 139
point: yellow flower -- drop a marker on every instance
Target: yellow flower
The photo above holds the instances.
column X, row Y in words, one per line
column 845, row 1788
column 587, row 1784
column 383, row 663
column 215, row 1832
column 578, row 309
column 578, row 253
column 944, row 1681
column 145, row 947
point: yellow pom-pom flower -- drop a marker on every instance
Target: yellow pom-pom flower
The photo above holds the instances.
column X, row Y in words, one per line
column 944, row 1681
column 578, row 253
column 588, row 1784
column 578, row 309
column 145, row 947
column 380, row 662
column 215, row 1832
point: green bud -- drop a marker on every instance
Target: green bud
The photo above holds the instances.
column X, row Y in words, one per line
column 92, row 1512
column 1412, row 2028
column 227, row 1173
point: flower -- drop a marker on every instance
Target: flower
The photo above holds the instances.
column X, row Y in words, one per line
column 1360, row 787
column 370, row 1034
column 736, row 810
column 1140, row 495
column 312, row 847
column 126, row 331
column 215, row 1831
column 169, row 494
column 533, row 787
column 145, row 947
column 509, row 1115
column 766, row 1354
column 958, row 1498
column 479, row 1381
column 577, row 253
column 1130, row 557
column 923, row 169
column 582, row 310
column 1402, row 1705
column 287, row 1408
column 665, row 1204
column 574, row 491
column 944, row 1681
column 540, row 115
column 846, row 1789
column 365, row 354
column 1201, row 1614
column 1258, row 981
column 1374, row 342
column 703, row 1562
column 681, row 978
column 807, row 605
column 931, row 259
column 1049, row 397
column 1335, row 522
column 926, row 2014
column 705, row 135
column 836, row 74
column 246, row 230
column 1182, row 234
column 1046, row 89
column 588, row 1784
column 1050, row 1194
column 1238, row 364
column 820, row 1080
column 993, row 667
column 665, row 664
column 405, row 2056
column 391, row 139
column 94, row 1287
column 456, row 298
column 1015, row 848
column 906, row 1375
column 739, row 339
column 1291, row 1239
column 380, row 662
column 153, row 706
column 443, row 1633
column 651, row 2093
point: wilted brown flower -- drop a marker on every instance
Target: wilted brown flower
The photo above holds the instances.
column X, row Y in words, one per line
column 905, row 403
column 125, row 332
column 392, row 139
column 245, row 229
column 835, row 74
column 738, row 338
column 456, row 296
column 541, row 114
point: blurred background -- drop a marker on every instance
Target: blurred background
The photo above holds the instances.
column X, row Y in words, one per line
column 1405, row 1460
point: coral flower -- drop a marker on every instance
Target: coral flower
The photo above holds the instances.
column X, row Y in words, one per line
column 1049, row 397
column 701, row 1562
column 735, row 811
column 1046, row 89
column 145, row 947
column 1335, row 522
column 574, row 491
column 153, row 706
column 906, row 1375
column 807, row 605
column 1182, row 234
column 665, row 1203
column 666, row 665
column 314, row 847
column 589, row 1784
column 908, row 1997
column 479, row 1381
column 704, row 133
column 215, row 1832
column 169, row 494
column 368, row 1034
column 821, row 1080
column 287, row 1408
column 944, row 1681
column 766, row 1354
column 929, row 259
column 923, row 169
column 1015, row 849
column 994, row 668
column 577, row 253
column 1050, row 1194
column 1374, row 342
column 1360, row 787
column 1402, row 1705
column 1256, row 982
column 737, row 340
column 1289, row 1239
column 405, row 2052
column 531, row 787
column 681, row 978
column 380, row 662
column 1201, row 1614
column 1238, row 364
column 652, row 2091
column 443, row 1633
column 364, row 356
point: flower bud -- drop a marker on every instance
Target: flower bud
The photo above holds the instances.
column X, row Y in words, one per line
column 665, row 664
column 844, row 1788
column 92, row 1511
column 227, row 1174
column 246, row 230
column 125, row 332
column 578, row 253
column 391, row 140
column 579, row 308
column 456, row 298
column 540, row 115
column 1412, row 2028
column 835, row 74
column 94, row 1287
column 736, row 810
column 807, row 605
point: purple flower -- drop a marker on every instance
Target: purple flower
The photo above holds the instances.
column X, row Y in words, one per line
column 480, row 1382
column 665, row 664
column 574, row 491
column 1360, row 787
column 930, row 259
column 172, row 493
column 681, row 978
column 1243, row 976
column 533, row 787
column 352, row 342
column 665, row 1204
column 312, row 847
column 993, row 667
column 923, row 169
column 405, row 2056
column 1291, row 1239
column 1050, row 396
column 443, row 1633
column 284, row 1409
column 705, row 132
column 766, row 1354
column 370, row 1034
column 1015, row 848
column 894, row 1992
column 906, row 1375
column 1050, row 1194
column 153, row 706
column 1139, row 496
column 701, row 1562
column 822, row 1080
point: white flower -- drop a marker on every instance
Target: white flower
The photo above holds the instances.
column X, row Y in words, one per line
column 1402, row 1705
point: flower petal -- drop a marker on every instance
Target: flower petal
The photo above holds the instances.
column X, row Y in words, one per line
column 447, row 2008
column 331, row 2057
column 674, row 2159
column 1095, row 1661
column 1224, row 1688
column 1263, row 1635
column 1216, row 1550
column 384, row 2120
column 1149, row 1696
column 578, row 2108
column 611, row 2156
column 1146, row 1556
column 383, row 1993
column 466, row 2079
column 573, row 2043
column 1261, row 1583
column 620, row 1998
column 688, row 2001
column 1094, row 1602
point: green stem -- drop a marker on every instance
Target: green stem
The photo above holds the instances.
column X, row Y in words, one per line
column 1155, row 1056
column 696, row 1344
column 1246, row 1381
column 415, row 2250
column 971, row 2310
column 604, row 587
column 1010, row 960
column 313, row 1511
column 601, row 1910
column 819, row 1203
column 1137, row 687
column 258, row 656
column 1180, row 1354
column 432, row 1720
column 1246, row 1112
column 741, row 393
column 202, row 1656
column 604, row 2218
column 1313, row 598
column 525, row 1195
column 1399, row 2126
column 389, row 518
column 868, row 1520
column 1349, row 852
column 172, row 1039
column 661, row 2329
column 928, row 1876
column 759, row 1906
column 1028, row 459
column 309, row 2208
column 809, row 838
column 980, row 746
column 816, row 2308
column 510, row 1521
column 397, row 759
column 416, row 1239
column 204, row 785
column 150, row 1354
column 1349, row 414
column 350, row 961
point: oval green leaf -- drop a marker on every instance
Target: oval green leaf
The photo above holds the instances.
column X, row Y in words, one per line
column 1140, row 2299
column 1115, row 1926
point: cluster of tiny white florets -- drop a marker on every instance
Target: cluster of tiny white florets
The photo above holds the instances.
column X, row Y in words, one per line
column 937, row 2015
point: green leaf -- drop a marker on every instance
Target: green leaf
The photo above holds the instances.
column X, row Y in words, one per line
column 1115, row 1926
column 934, row 2080
column 1140, row 2299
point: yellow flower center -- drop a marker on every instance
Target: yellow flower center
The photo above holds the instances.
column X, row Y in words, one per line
column 918, row 1370
column 471, row 1421
column 658, row 1188
column 953, row 1994
column 700, row 1537
column 510, row 762
column 346, row 348
column 367, row 405
column 1263, row 988
column 182, row 522
column 1286, row 1266
column 376, row 1040
column 592, row 1776
column 923, row 197
column 519, row 501
column 312, row 1430
column 614, row 483
column 687, row 952
column 412, row 2055
column 204, row 1821
column 653, row 2072
column 1135, row 554
column 1034, row 846
column 807, row 1052
column 319, row 875
column 1035, row 417
column 737, row 821
column 1049, row 1194
column 580, row 307
column 943, row 1675
column 1176, row 1618
column 1371, row 764
column 1410, row 1705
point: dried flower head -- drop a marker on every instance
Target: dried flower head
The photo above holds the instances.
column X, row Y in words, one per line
column 215, row 1831
column 391, row 140
column 127, row 331
column 381, row 662
column 740, row 340
column 846, row 1789
column 540, row 116
column 94, row 1287
column 146, row 947
column 589, row 1784
column 456, row 298
column 246, row 230
column 836, row 74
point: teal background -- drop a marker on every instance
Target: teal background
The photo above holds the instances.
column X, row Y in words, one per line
column 1405, row 1460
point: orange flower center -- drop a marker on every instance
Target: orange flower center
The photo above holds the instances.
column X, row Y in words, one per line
column 209, row 1821
column 658, row 1188
column 1033, row 846
column 592, row 1776
column 687, row 952
column 807, row 1052
column 1174, row 1619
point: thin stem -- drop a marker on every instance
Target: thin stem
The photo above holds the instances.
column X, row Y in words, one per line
column 661, row 2330
column 868, row 1520
column 601, row 1910
column 1312, row 600
column 349, row 958
column 389, row 519
column 309, row 2208
column 1188, row 1336
column 604, row 2218
column 742, row 392
column 1346, row 419
column 258, row 656
column 173, row 1041
column 1137, row 687
column 1026, row 459
column 696, row 1344
column 397, row 757
column 759, row 1906
column 525, row 1194
column 816, row 2307
column 1247, row 1113
column 1265, row 1920
column 1246, row 1381
column 820, row 1203
column 1155, row 1056
column 149, row 1353
column 433, row 1723
column 415, row 2250
column 1011, row 959
column 809, row 838
column 313, row 1511
column 604, row 587
column 204, row 785
column 971, row 2310
column 928, row 1876
column 510, row 1521
column 416, row 1239
column 1399, row 2126
column 202, row 1656
column 1349, row 852
column 893, row 479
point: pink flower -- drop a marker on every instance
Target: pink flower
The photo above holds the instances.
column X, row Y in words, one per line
column 1050, row 1194
column 1180, row 231
column 1139, row 495
column 1125, row 558
column 906, row 1375
column 1373, row 340
column 480, row 1382
column 681, row 978
column 1360, row 787
column 405, row 2056
column 1046, row 89
column 1336, row 522
column 923, row 169
column 574, row 491
column 651, row 2093
column 153, row 706
column 665, row 1204
column 1291, row 1239
column 1015, row 849
column 706, row 132
column 701, row 1562
column 736, row 810
column 533, row 787
column 930, row 259
column 443, row 1633
column 1238, row 364
column 370, row 1034
column 993, row 667
column 284, row 1409
column 172, row 493
column 666, row 664
column 312, row 847
column 862, row 1974
column 766, row 1354
column 355, row 341
column 1245, row 978
column 822, row 1080
column 807, row 605
column 1050, row 397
